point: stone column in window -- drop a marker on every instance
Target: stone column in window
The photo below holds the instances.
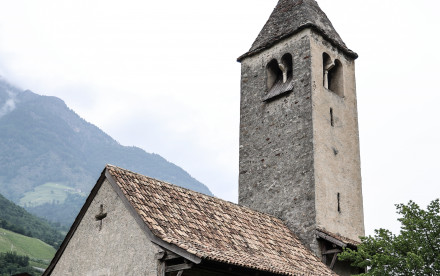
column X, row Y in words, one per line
column 327, row 68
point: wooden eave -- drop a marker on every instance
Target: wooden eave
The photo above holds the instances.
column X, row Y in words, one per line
column 336, row 241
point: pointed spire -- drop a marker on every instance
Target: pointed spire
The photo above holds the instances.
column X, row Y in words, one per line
column 292, row 16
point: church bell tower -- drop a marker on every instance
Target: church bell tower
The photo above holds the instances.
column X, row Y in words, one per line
column 299, row 138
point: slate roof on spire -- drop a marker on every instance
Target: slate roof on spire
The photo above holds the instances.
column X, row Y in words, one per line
column 292, row 16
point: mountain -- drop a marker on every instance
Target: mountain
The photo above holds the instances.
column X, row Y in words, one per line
column 49, row 155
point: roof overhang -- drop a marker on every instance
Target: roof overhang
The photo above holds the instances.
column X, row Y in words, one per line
column 336, row 239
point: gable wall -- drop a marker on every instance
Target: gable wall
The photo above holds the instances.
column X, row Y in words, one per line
column 119, row 248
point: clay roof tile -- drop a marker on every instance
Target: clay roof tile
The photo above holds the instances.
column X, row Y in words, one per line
column 217, row 230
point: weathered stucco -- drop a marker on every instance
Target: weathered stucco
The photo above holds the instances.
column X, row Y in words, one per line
column 336, row 148
column 118, row 247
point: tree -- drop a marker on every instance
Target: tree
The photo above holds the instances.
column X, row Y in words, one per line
column 11, row 263
column 415, row 251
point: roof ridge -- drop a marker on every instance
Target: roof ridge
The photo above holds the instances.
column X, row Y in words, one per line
column 199, row 193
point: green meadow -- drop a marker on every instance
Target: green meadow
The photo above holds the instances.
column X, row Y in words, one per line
column 50, row 192
column 39, row 252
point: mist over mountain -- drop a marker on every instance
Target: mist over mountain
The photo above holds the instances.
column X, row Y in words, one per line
column 49, row 155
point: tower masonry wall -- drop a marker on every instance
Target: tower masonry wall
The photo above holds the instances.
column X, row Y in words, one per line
column 276, row 140
column 337, row 173
column 118, row 246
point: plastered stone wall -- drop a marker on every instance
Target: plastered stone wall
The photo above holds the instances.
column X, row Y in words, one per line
column 276, row 141
column 293, row 163
column 119, row 248
column 336, row 148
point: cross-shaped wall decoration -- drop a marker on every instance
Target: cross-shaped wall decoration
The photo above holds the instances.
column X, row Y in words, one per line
column 101, row 216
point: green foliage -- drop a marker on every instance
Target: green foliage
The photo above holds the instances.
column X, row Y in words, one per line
column 18, row 220
column 11, row 263
column 415, row 251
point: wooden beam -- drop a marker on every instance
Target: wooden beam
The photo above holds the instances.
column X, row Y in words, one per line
column 161, row 268
column 160, row 255
column 178, row 267
column 337, row 250
column 333, row 261
column 330, row 239
column 171, row 256
column 222, row 269
column 323, row 249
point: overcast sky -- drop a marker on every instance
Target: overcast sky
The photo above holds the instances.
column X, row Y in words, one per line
column 163, row 76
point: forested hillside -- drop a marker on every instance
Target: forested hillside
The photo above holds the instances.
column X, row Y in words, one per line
column 18, row 220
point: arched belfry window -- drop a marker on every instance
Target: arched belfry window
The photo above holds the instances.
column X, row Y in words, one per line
column 279, row 77
column 326, row 64
column 333, row 75
column 273, row 73
column 287, row 63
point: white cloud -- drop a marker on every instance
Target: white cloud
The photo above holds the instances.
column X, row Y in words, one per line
column 9, row 104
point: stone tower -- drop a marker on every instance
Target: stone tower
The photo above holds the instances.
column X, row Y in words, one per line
column 299, row 140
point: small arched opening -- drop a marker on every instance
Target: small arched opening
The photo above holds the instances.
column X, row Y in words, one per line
column 336, row 80
column 326, row 63
column 279, row 77
column 287, row 63
column 333, row 75
column 273, row 73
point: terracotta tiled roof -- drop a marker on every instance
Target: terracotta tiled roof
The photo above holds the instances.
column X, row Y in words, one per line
column 292, row 16
column 344, row 241
column 217, row 230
